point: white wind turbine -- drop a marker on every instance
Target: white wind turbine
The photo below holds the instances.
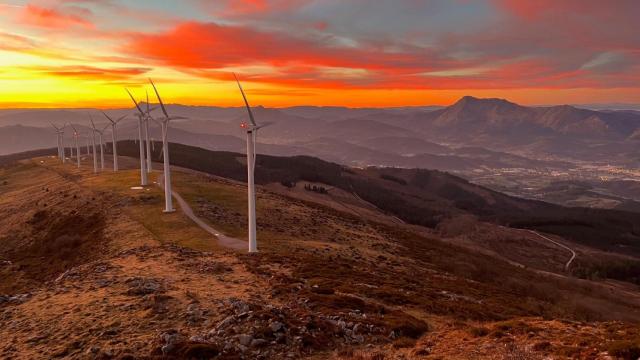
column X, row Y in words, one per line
column 164, row 122
column 114, row 138
column 146, row 134
column 60, row 136
column 75, row 139
column 100, row 142
column 141, row 118
column 93, row 139
column 71, row 150
column 252, row 133
column 86, row 139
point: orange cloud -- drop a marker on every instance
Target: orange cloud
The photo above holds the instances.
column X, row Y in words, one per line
column 90, row 72
column 208, row 50
column 37, row 16
column 211, row 47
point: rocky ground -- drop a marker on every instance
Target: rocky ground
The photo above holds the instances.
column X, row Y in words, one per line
column 89, row 272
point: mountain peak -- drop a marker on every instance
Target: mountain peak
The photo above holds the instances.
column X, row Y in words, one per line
column 470, row 100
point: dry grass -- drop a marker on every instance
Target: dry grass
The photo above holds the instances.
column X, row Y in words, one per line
column 313, row 258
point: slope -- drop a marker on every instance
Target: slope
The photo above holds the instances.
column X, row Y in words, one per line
column 326, row 283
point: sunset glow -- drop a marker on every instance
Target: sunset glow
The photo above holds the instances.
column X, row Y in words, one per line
column 82, row 53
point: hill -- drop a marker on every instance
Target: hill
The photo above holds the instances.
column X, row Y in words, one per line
column 428, row 198
column 92, row 267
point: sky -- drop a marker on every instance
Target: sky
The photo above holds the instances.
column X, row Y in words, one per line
column 357, row 53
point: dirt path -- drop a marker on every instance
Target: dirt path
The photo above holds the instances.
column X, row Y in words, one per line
column 223, row 240
column 573, row 253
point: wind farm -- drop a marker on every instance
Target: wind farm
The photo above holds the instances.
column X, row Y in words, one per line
column 319, row 180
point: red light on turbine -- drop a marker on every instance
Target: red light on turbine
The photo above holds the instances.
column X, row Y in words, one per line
column 244, row 125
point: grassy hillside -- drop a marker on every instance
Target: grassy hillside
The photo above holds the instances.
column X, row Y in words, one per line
column 109, row 271
column 422, row 197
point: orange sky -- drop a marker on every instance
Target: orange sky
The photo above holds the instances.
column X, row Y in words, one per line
column 83, row 53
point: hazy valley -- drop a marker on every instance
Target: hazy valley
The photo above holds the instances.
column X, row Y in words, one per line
column 561, row 154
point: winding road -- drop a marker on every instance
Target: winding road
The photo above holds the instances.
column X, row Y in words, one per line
column 223, row 240
column 573, row 253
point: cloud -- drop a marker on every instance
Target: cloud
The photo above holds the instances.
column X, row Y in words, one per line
column 90, row 72
column 51, row 18
column 210, row 46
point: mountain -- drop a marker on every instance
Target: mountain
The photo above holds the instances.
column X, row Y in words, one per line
column 492, row 122
column 19, row 138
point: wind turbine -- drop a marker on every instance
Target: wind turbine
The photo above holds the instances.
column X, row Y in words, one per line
column 114, row 138
column 75, row 138
column 100, row 140
column 60, row 136
column 146, row 133
column 93, row 139
column 252, row 132
column 86, row 139
column 71, row 150
column 164, row 122
column 141, row 117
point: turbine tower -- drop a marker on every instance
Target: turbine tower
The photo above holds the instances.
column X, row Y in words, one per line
column 252, row 132
column 141, row 118
column 100, row 141
column 164, row 122
column 146, row 134
column 93, row 139
column 114, row 138
column 75, row 138
column 60, row 138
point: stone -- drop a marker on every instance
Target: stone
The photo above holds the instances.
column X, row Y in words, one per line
column 276, row 326
column 245, row 339
column 258, row 343
column 226, row 322
column 166, row 349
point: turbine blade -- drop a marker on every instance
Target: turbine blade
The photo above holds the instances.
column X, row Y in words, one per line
column 164, row 110
column 107, row 116
column 147, row 92
column 121, row 118
column 264, row 125
column 134, row 101
column 253, row 122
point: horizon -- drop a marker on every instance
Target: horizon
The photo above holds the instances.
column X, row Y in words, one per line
column 75, row 53
column 596, row 106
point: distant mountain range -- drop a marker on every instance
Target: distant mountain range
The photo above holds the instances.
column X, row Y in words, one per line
column 469, row 134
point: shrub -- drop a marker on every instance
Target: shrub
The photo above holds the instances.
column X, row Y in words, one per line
column 404, row 342
column 479, row 331
column 625, row 349
column 393, row 178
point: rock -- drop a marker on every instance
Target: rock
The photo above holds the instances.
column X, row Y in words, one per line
column 143, row 286
column 245, row 339
column 167, row 348
column 226, row 322
column 276, row 326
column 356, row 328
column 258, row 343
